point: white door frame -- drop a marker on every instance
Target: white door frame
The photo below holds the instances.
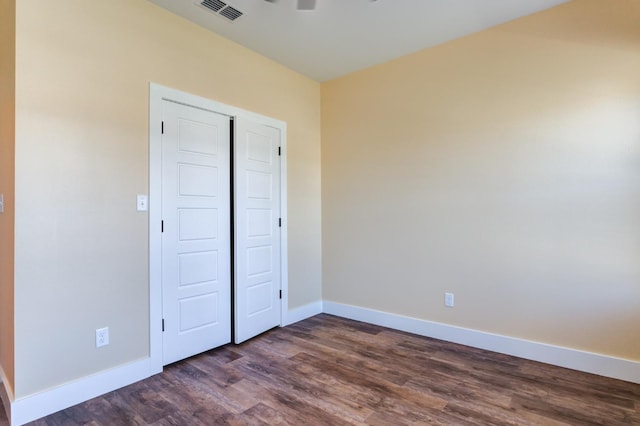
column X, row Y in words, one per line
column 157, row 94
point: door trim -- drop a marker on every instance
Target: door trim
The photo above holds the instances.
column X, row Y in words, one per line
column 157, row 94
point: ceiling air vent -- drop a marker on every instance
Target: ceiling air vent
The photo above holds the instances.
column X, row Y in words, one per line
column 230, row 13
column 221, row 8
column 214, row 5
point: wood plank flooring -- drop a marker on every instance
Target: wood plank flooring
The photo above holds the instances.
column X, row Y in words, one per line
column 332, row 371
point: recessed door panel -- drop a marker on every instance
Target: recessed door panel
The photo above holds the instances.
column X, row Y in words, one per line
column 259, row 185
column 198, row 268
column 259, row 148
column 198, row 312
column 198, row 137
column 197, row 181
column 259, row 298
column 198, row 224
column 259, row 223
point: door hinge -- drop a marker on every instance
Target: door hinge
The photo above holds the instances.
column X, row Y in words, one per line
column 280, row 222
column 279, row 151
column 280, row 294
column 162, row 226
column 162, row 128
column 162, row 324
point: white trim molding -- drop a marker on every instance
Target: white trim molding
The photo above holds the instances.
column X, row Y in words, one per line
column 302, row 312
column 33, row 407
column 574, row 359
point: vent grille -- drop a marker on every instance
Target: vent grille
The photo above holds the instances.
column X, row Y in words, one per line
column 214, row 5
column 230, row 13
column 221, row 8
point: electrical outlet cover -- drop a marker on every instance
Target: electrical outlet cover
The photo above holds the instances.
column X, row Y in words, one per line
column 102, row 337
column 448, row 300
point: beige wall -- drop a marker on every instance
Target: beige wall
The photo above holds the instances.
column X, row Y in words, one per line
column 7, row 143
column 503, row 167
column 83, row 69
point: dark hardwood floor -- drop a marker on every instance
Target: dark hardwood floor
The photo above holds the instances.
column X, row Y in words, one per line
column 331, row 371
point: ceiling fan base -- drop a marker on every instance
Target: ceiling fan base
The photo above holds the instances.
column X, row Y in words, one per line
column 306, row 4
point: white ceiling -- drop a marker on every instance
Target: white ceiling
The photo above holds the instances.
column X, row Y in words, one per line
column 342, row 36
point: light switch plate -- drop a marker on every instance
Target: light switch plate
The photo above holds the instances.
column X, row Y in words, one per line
column 142, row 203
column 1, row 203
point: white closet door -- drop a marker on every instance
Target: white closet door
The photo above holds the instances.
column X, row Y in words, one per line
column 257, row 230
column 196, row 244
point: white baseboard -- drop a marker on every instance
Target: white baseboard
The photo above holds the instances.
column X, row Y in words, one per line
column 588, row 362
column 303, row 312
column 33, row 407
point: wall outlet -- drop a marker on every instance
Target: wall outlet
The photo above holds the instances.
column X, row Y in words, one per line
column 448, row 300
column 102, row 337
